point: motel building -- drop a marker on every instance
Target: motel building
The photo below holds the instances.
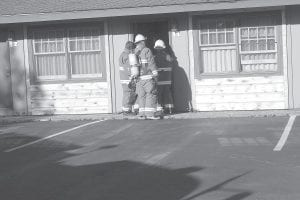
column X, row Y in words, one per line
column 61, row 57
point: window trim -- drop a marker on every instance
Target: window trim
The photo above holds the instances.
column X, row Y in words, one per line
column 68, row 78
column 198, row 69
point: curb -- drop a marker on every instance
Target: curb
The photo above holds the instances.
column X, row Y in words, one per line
column 191, row 115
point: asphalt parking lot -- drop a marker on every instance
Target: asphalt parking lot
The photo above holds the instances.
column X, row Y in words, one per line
column 255, row 158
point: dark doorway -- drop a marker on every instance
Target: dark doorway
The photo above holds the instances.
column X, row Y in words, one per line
column 153, row 31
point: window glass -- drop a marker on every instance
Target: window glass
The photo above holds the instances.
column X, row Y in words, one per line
column 53, row 48
column 215, row 32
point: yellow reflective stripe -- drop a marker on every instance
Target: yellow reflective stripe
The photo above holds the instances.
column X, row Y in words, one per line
column 165, row 69
column 125, row 109
column 136, row 106
column 125, row 81
column 164, row 82
column 159, row 108
column 146, row 77
column 169, row 105
column 150, row 109
column 154, row 72
column 144, row 61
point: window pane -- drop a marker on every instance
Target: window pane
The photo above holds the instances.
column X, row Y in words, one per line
column 52, row 47
column 271, row 44
column 204, row 38
column 60, row 46
column 212, row 38
column 229, row 37
column 262, row 45
column 262, row 33
column 96, row 44
column 253, row 45
column 221, row 38
column 271, row 31
column 244, row 33
column 88, row 45
column 45, row 48
column 253, row 32
column 72, row 45
column 245, row 46
column 80, row 45
column 38, row 47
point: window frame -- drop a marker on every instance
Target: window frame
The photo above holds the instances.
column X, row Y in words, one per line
column 67, row 78
column 198, row 68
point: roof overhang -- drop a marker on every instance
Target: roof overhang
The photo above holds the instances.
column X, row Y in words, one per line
column 55, row 16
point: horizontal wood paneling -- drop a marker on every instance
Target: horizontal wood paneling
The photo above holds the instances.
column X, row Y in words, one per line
column 243, row 93
column 70, row 98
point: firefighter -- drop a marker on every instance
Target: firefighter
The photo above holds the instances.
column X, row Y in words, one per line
column 127, row 81
column 146, row 85
column 164, row 62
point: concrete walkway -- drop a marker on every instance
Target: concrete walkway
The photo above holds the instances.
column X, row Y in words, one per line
column 191, row 115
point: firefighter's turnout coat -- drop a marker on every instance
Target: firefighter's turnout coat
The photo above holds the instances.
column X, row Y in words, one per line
column 146, row 86
column 164, row 62
column 129, row 95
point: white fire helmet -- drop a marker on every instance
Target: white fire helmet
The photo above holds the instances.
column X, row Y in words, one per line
column 139, row 38
column 159, row 44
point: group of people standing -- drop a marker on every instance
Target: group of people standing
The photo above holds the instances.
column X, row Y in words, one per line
column 146, row 79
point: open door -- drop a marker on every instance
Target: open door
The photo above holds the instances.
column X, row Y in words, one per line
column 153, row 31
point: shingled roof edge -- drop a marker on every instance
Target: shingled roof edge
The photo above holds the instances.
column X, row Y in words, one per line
column 85, row 14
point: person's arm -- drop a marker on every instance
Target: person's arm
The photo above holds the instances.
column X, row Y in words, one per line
column 151, row 63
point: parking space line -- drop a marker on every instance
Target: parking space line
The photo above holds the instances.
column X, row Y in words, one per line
column 285, row 133
column 51, row 136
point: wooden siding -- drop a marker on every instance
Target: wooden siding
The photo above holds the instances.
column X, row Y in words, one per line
column 243, row 93
column 70, row 98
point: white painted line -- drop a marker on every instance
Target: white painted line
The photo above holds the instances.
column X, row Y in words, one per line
column 285, row 134
column 51, row 136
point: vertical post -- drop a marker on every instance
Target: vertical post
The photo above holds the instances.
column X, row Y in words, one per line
column 191, row 60
column 108, row 69
column 27, row 72
column 285, row 58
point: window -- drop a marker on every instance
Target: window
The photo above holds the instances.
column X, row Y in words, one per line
column 217, row 32
column 68, row 53
column 258, row 45
column 218, row 46
column 239, row 44
column 49, row 54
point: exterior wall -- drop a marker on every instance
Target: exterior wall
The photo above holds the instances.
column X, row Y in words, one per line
column 70, row 98
column 293, row 41
column 254, row 92
column 244, row 93
column 182, row 92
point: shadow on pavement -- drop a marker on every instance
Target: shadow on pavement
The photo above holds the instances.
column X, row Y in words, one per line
column 38, row 172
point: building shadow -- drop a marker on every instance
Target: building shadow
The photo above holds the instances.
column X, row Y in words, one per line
column 40, row 172
column 181, row 88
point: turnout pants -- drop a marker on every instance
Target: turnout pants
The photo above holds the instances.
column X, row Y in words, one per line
column 147, row 96
column 165, row 98
column 129, row 97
